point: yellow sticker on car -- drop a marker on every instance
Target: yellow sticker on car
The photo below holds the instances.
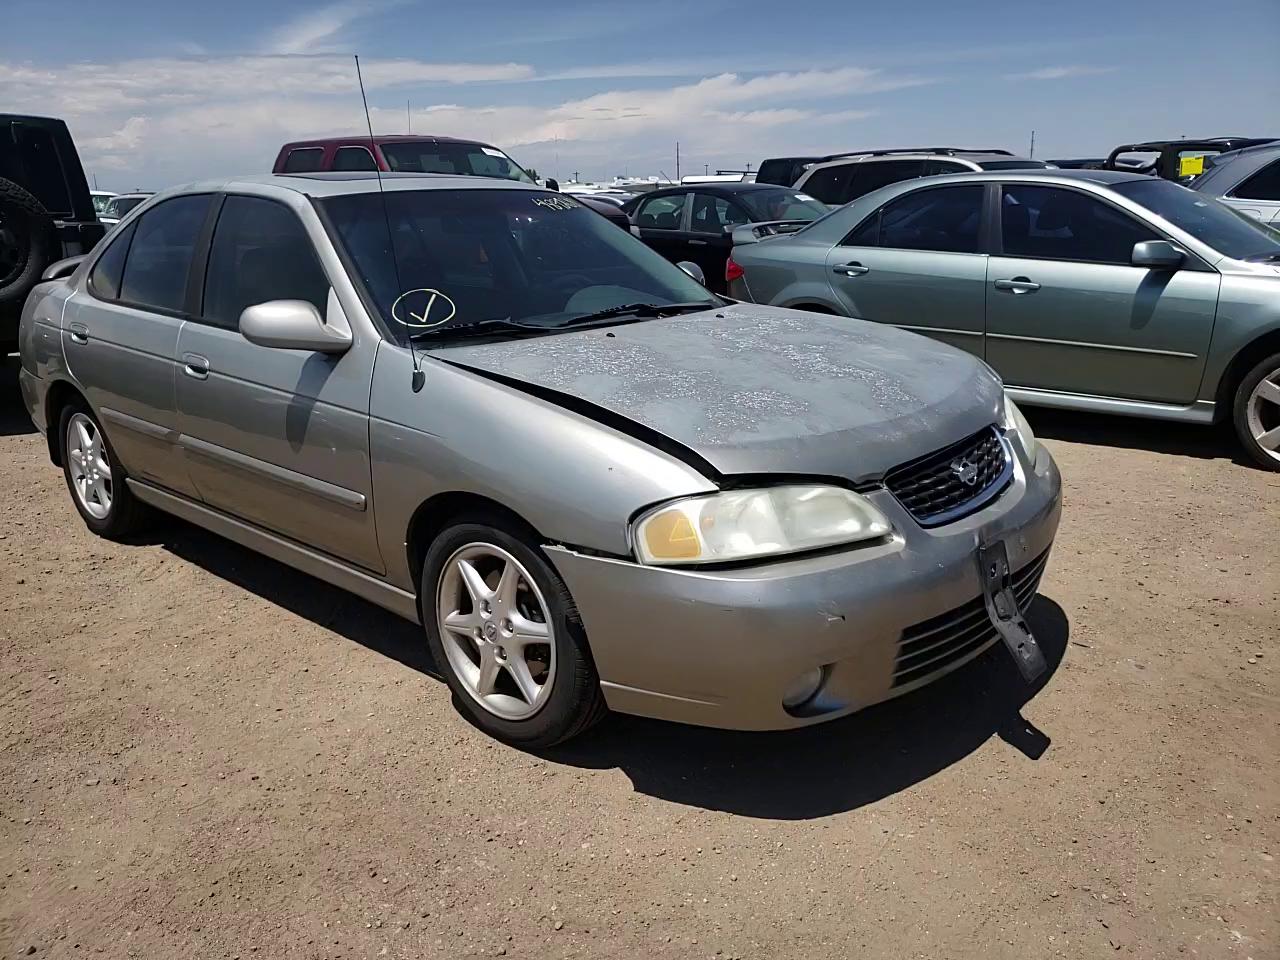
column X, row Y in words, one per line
column 1190, row 166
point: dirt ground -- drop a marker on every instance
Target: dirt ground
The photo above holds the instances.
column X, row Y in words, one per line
column 207, row 754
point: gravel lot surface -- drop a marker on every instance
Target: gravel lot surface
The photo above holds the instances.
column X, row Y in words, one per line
column 209, row 755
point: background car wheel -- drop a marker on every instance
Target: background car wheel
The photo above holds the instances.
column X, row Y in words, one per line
column 1257, row 413
column 26, row 242
column 507, row 637
column 95, row 477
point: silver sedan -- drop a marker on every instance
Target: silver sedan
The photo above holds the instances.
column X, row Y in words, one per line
column 597, row 485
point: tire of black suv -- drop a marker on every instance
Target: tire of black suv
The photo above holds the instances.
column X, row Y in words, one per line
column 539, row 602
column 26, row 242
column 1256, row 412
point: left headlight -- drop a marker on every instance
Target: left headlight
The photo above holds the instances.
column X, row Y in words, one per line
column 1016, row 423
column 744, row 524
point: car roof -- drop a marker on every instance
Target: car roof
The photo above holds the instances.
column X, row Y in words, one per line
column 380, row 138
column 356, row 181
column 1228, row 170
column 974, row 156
column 726, row 189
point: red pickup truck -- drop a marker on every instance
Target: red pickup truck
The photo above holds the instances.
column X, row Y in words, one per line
column 399, row 154
column 418, row 154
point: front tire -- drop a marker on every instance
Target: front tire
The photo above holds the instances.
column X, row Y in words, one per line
column 94, row 476
column 506, row 635
column 1256, row 413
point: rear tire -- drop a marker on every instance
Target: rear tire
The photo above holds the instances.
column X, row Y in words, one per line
column 1256, row 413
column 519, row 690
column 95, row 478
column 26, row 243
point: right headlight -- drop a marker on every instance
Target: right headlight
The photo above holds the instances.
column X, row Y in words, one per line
column 746, row 524
column 1016, row 423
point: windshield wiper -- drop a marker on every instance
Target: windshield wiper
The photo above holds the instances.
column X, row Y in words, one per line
column 1264, row 257
column 479, row 328
column 640, row 310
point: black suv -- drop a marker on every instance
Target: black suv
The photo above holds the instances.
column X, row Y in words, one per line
column 46, row 213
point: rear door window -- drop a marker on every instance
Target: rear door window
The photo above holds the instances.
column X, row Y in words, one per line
column 260, row 252
column 353, row 158
column 829, row 184
column 159, row 260
column 1263, row 185
column 45, row 177
column 713, row 214
column 662, row 213
column 1055, row 223
column 874, row 174
column 304, row 160
column 943, row 218
column 104, row 280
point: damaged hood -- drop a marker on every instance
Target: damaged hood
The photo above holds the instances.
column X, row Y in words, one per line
column 761, row 390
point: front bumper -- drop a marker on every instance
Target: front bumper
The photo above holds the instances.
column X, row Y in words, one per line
column 720, row 647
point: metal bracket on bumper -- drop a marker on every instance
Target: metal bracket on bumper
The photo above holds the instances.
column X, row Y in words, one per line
column 1002, row 608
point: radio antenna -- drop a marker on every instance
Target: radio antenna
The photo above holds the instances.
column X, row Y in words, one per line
column 418, row 376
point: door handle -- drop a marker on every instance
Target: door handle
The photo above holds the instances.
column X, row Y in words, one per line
column 195, row 366
column 1017, row 285
column 79, row 333
column 697, row 243
column 853, row 269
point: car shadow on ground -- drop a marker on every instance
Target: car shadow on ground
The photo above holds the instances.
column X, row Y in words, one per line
column 838, row 766
column 14, row 421
column 799, row 774
column 1215, row 442
column 330, row 607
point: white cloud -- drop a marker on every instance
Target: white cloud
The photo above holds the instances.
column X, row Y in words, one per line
column 1061, row 73
column 168, row 120
column 316, row 30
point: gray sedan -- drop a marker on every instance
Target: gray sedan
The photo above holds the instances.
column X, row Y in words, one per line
column 1088, row 289
column 597, row 485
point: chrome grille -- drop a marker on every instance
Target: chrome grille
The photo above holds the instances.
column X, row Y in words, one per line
column 942, row 640
column 954, row 481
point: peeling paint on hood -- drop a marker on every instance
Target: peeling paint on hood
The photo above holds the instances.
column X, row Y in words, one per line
column 755, row 389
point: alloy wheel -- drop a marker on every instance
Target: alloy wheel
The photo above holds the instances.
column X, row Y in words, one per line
column 90, row 466
column 496, row 630
column 1262, row 414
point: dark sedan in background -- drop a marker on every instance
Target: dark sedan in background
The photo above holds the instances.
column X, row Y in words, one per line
column 694, row 222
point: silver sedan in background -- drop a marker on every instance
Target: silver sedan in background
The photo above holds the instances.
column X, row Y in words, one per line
column 596, row 484
column 1092, row 290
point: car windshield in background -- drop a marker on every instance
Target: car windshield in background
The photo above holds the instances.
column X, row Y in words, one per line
column 1228, row 231
column 1012, row 164
column 480, row 259
column 119, row 206
column 781, row 204
column 467, row 159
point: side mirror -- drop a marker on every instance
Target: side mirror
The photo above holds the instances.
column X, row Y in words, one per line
column 693, row 270
column 291, row 325
column 551, row 183
column 1157, row 255
column 62, row 268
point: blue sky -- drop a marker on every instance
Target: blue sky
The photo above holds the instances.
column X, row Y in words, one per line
column 162, row 92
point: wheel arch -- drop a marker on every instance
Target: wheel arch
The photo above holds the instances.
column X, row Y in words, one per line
column 437, row 512
column 59, row 395
column 1243, row 361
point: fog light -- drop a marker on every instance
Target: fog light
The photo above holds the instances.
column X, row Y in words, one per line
column 802, row 688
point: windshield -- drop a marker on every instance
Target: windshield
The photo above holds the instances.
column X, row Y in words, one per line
column 463, row 257
column 467, row 159
column 119, row 206
column 781, row 204
column 100, row 201
column 1228, row 231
